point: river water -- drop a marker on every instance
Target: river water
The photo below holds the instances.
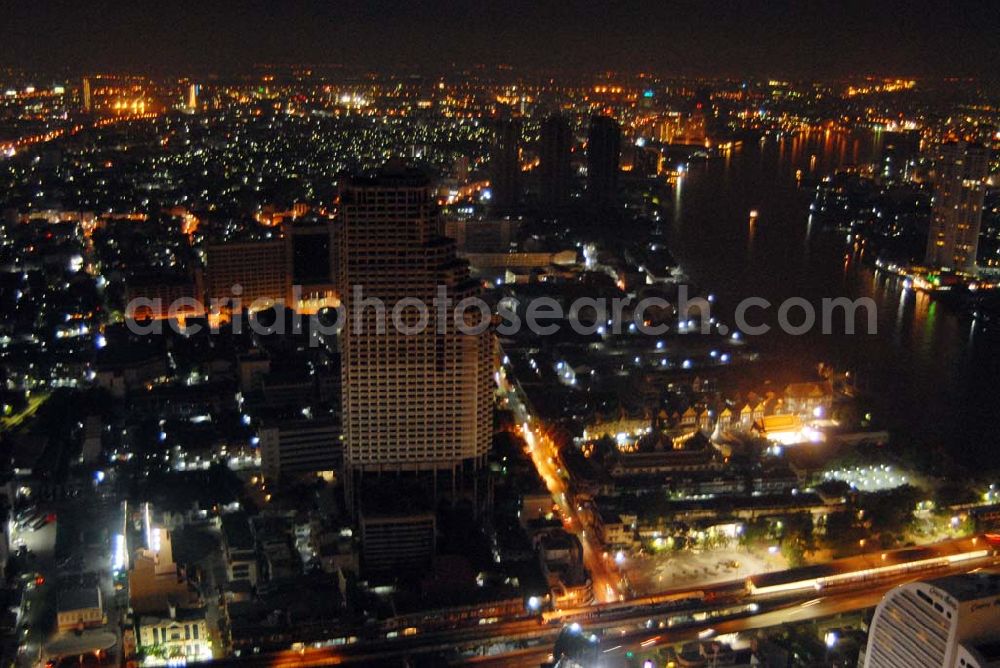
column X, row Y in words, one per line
column 928, row 374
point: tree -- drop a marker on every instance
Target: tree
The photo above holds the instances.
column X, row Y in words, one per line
column 842, row 533
column 755, row 532
column 797, row 538
column 889, row 513
column 954, row 492
column 605, row 449
column 799, row 528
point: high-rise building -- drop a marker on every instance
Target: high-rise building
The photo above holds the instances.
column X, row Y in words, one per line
column 87, row 96
column 554, row 169
column 252, row 271
column 497, row 235
column 415, row 398
column 603, row 156
column 505, row 167
column 693, row 130
column 312, row 255
column 957, row 211
column 899, row 149
column 950, row 622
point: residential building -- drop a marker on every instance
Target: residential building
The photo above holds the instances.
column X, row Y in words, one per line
column 957, row 211
column 505, row 167
column 256, row 273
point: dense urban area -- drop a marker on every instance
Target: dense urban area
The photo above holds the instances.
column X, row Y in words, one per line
column 208, row 458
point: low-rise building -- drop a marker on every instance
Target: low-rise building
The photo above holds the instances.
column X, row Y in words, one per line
column 79, row 608
column 809, row 400
column 295, row 447
column 180, row 634
column 535, row 505
column 156, row 582
column 90, row 450
column 129, row 371
column 397, row 541
column 616, row 530
column 239, row 549
column 666, row 461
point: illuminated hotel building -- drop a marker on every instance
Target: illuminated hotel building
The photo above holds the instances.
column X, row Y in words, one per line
column 957, row 211
column 950, row 622
column 412, row 402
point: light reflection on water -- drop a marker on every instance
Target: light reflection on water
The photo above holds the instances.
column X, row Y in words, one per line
column 929, row 370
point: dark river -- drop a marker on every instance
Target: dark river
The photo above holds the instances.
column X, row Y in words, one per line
column 929, row 374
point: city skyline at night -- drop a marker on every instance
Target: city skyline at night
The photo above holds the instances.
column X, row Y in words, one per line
column 576, row 335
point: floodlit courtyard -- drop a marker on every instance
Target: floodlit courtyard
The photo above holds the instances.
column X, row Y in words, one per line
column 873, row 478
column 648, row 573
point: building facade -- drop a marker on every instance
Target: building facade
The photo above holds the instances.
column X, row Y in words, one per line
column 294, row 447
column 417, row 392
column 178, row 635
column 957, row 212
column 312, row 264
column 239, row 549
column 254, row 272
column 79, row 608
column 397, row 542
column 948, row 622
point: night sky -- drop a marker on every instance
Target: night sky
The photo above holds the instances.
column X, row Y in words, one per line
column 806, row 38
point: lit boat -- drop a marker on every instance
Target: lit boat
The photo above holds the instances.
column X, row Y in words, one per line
column 753, row 215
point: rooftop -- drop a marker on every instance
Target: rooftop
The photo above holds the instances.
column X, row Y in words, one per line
column 969, row 586
column 79, row 599
column 236, row 528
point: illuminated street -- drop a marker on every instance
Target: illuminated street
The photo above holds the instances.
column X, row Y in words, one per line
column 589, row 335
column 545, row 457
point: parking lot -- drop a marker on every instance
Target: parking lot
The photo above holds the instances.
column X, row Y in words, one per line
column 59, row 552
column 40, row 606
